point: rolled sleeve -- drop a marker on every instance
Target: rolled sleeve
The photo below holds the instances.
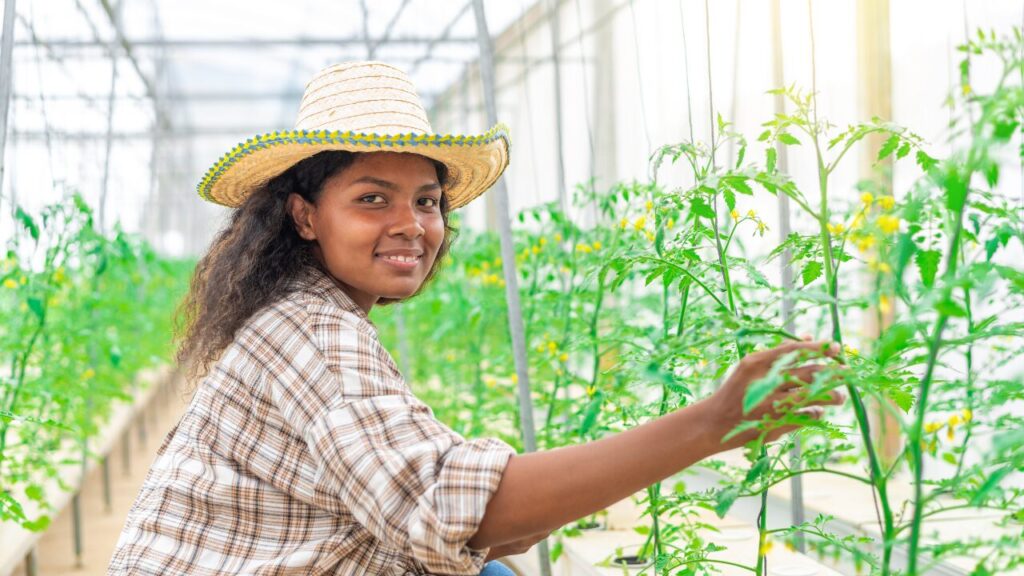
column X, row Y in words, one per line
column 381, row 455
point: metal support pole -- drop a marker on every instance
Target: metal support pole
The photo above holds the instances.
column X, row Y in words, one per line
column 796, row 486
column 107, row 499
column 556, row 43
column 31, row 563
column 110, row 123
column 76, row 526
column 126, row 452
column 6, row 80
column 508, row 259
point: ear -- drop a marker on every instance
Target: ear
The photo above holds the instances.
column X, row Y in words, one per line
column 302, row 212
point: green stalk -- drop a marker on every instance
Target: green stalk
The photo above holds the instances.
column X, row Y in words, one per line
column 879, row 480
column 934, row 345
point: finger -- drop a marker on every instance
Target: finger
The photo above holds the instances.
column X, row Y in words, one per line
column 811, row 347
column 800, row 376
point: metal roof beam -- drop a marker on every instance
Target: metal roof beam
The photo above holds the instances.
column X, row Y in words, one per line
column 246, row 43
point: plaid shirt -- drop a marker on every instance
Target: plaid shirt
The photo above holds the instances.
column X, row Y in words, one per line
column 303, row 451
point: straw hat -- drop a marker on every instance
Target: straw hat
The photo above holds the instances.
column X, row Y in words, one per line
column 359, row 107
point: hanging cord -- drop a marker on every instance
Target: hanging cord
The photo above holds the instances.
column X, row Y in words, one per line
column 734, row 105
column 640, row 78
column 686, row 71
column 521, row 25
column 586, row 88
column 47, row 131
column 711, row 93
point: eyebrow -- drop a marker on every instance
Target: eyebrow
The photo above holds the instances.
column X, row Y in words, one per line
column 392, row 186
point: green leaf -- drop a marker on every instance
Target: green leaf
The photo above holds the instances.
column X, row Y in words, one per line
column 771, row 158
column 893, row 341
column 34, row 492
column 699, row 207
column 925, row 161
column 991, row 483
column 724, row 499
column 811, row 272
column 591, row 412
column 950, row 308
column 888, row 147
column 36, row 306
column 928, row 264
column 27, row 221
column 787, row 138
column 955, row 184
column 903, row 150
column 739, row 184
column 37, row 525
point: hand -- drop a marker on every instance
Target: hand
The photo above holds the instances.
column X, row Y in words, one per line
column 515, row 547
column 726, row 403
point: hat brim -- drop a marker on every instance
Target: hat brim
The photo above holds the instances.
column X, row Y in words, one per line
column 474, row 162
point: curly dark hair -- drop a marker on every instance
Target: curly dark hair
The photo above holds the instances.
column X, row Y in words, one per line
column 251, row 261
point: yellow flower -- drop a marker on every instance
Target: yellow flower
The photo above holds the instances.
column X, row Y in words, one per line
column 597, row 245
column 540, row 348
column 866, row 243
column 766, row 547
column 583, row 247
column 88, row 374
column 514, row 378
column 639, row 223
column 650, row 237
column 966, row 88
column 887, row 202
column 932, row 427
column 954, row 420
column 535, row 250
column 889, row 224
column 564, row 357
column 552, row 346
column 542, row 241
column 623, row 223
column 967, row 414
column 591, row 390
column 558, row 237
column 490, row 382
column 881, row 267
column 836, row 229
column 858, row 220
column 735, row 214
column 23, row 280
column 761, row 227
column 10, row 283
column 59, row 276
column 884, row 304
column 851, row 350
column 649, row 205
column 867, row 198
column 950, row 435
column 751, row 214
column 497, row 262
column 671, row 222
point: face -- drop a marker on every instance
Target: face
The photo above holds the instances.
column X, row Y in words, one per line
column 377, row 225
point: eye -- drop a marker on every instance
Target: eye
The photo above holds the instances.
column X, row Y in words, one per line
column 364, row 201
column 430, row 202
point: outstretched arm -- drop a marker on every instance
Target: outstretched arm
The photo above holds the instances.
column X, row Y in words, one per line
column 542, row 491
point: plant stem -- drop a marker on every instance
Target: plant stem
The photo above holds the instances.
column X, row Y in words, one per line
column 922, row 402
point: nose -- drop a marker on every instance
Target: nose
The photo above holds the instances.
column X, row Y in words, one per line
column 406, row 221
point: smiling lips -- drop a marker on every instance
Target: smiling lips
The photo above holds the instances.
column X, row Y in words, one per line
column 406, row 261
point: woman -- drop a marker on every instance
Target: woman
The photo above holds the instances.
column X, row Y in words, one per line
column 303, row 450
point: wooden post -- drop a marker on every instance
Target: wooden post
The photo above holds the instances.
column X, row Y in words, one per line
column 874, row 68
column 508, row 259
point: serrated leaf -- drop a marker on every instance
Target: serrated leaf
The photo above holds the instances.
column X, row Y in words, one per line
column 928, row 264
column 787, row 138
column 925, row 161
column 771, row 157
column 811, row 272
column 903, row 150
column 724, row 499
column 888, row 147
column 36, row 306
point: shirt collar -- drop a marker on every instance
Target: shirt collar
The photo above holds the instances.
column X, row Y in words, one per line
column 319, row 282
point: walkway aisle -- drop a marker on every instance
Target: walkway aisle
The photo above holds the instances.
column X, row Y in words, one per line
column 100, row 528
